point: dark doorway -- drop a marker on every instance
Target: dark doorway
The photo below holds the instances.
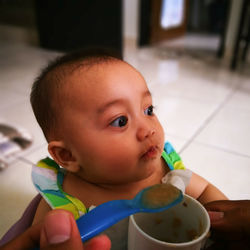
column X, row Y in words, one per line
column 200, row 16
column 69, row 25
column 151, row 30
column 64, row 25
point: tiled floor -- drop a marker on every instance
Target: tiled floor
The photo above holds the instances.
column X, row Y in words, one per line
column 204, row 108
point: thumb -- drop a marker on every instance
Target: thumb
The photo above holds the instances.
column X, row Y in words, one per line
column 60, row 231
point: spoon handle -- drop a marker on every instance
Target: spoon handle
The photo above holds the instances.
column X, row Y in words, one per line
column 104, row 216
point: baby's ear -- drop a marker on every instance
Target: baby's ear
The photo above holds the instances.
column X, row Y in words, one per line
column 63, row 156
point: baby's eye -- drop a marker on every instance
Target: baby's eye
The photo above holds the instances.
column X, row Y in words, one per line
column 119, row 122
column 149, row 110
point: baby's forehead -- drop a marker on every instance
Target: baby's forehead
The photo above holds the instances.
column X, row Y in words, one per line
column 89, row 79
column 88, row 72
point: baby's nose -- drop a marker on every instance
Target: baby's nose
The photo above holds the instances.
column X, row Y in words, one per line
column 144, row 132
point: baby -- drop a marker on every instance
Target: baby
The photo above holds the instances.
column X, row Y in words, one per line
column 97, row 115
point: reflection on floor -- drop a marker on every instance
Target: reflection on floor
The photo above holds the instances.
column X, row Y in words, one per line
column 204, row 109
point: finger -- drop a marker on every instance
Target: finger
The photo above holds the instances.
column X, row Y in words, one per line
column 60, row 231
column 225, row 205
column 101, row 242
column 29, row 239
column 222, row 205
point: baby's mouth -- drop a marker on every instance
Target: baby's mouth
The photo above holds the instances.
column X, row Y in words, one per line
column 150, row 153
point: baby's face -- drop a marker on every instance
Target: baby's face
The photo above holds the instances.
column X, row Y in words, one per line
column 109, row 124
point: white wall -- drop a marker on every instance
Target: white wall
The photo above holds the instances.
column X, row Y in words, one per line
column 130, row 19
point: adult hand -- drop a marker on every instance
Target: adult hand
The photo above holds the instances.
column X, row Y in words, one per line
column 230, row 221
column 57, row 231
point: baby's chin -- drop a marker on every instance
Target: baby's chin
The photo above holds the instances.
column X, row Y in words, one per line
column 150, row 170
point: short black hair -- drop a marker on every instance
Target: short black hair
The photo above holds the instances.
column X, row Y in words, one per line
column 45, row 97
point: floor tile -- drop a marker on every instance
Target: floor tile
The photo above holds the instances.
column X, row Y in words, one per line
column 9, row 99
column 21, row 66
column 193, row 41
column 182, row 117
column 197, row 88
column 241, row 98
column 177, row 142
column 229, row 129
column 22, row 116
column 229, row 172
column 36, row 155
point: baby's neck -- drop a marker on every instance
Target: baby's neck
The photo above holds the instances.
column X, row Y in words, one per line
column 134, row 187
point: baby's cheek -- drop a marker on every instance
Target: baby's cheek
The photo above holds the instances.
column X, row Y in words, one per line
column 161, row 135
column 121, row 162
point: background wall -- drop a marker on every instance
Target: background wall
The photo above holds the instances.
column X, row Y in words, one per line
column 130, row 19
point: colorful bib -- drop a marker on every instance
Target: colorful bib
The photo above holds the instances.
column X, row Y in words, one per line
column 48, row 176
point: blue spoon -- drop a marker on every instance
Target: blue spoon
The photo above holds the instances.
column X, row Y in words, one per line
column 152, row 199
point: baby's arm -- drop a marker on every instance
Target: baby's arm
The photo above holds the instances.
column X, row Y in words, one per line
column 42, row 209
column 203, row 191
